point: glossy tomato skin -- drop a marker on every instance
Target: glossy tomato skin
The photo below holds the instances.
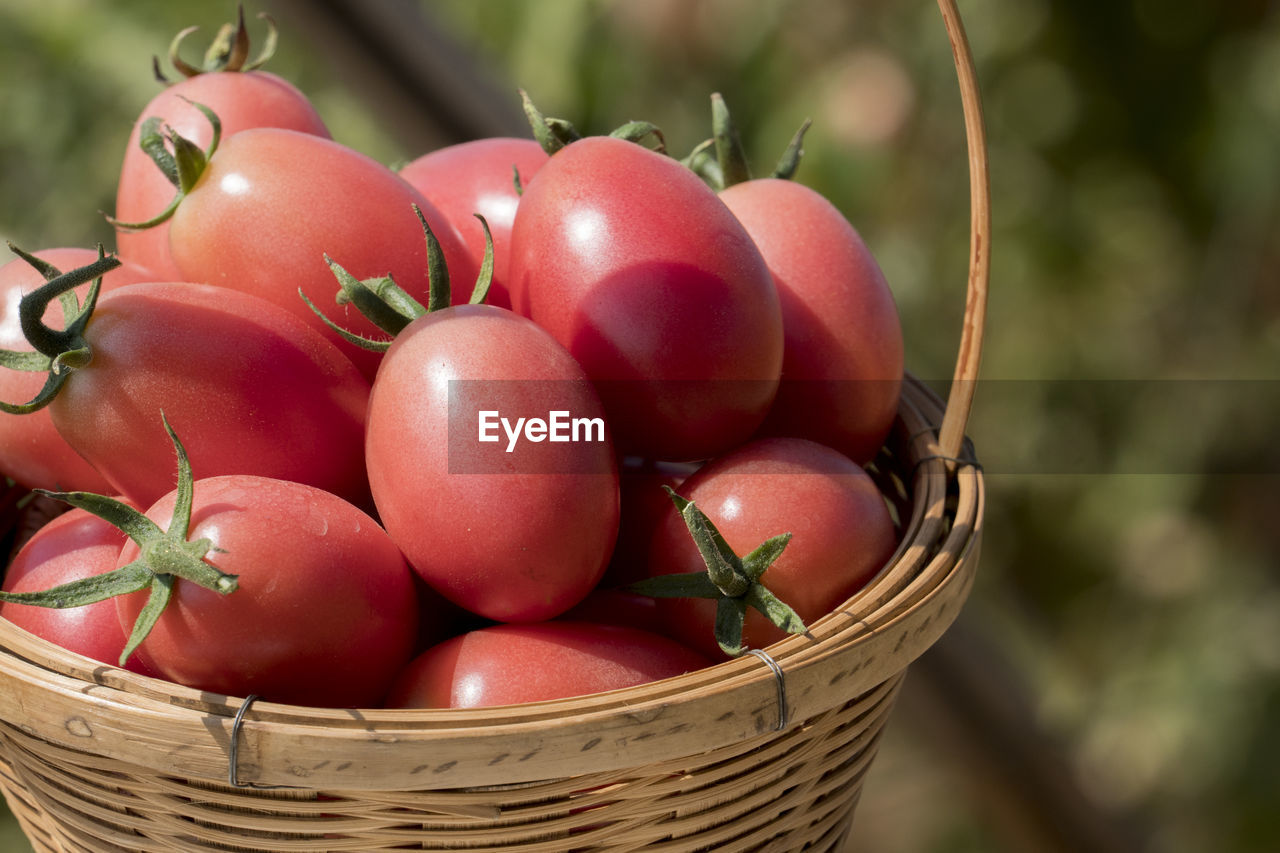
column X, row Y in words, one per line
column 643, row 274
column 273, row 203
column 843, row 361
column 842, row 532
column 241, row 100
column 248, row 387
column 477, row 177
column 511, row 664
column 72, row 546
column 511, row 536
column 31, row 450
column 325, row 612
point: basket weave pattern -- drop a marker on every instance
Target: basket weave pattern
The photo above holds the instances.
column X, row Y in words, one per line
column 755, row 754
column 792, row 792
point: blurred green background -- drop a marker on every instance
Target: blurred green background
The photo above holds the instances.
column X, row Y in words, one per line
column 1129, row 584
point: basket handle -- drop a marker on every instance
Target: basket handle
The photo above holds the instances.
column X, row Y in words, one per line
column 960, row 399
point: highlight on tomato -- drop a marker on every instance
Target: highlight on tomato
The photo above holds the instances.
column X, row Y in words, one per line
column 232, row 84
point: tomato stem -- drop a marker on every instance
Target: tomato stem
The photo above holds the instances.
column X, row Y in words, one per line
column 164, row 556
column 65, row 350
column 389, row 306
column 730, row 155
column 790, row 160
column 439, row 292
column 229, row 50
column 721, row 161
column 733, row 581
column 183, row 167
column 555, row 133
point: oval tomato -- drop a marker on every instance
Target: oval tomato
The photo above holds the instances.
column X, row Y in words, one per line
column 72, row 546
column 325, row 612
column 273, row 203
column 250, row 388
column 479, row 177
column 517, row 526
column 843, row 359
column 242, row 99
column 511, row 664
column 31, row 450
column 842, row 533
column 642, row 273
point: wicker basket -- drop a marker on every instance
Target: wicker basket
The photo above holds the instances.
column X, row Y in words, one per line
column 766, row 752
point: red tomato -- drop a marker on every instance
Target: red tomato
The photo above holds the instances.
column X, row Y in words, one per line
column 479, row 177
column 250, row 388
column 31, row 450
column 643, row 506
column 325, row 612
column 510, row 664
column 643, row 274
column 242, row 100
column 842, row 533
column 514, row 530
column 72, row 546
column 843, row 361
column 272, row 203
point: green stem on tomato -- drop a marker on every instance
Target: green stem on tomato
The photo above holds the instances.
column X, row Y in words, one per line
column 789, row 162
column 183, row 167
column 555, row 133
column 730, row 155
column 732, row 581
column 229, row 50
column 63, row 350
column 165, row 555
column 389, row 306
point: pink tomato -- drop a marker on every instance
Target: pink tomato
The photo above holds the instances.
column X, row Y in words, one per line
column 843, row 359
column 841, row 533
column 646, row 278
column 511, row 664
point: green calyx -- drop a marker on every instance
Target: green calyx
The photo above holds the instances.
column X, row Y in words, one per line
column 182, row 166
column 721, row 161
column 165, row 556
column 555, row 133
column 229, row 50
column 732, row 581
column 58, row 351
column 389, row 306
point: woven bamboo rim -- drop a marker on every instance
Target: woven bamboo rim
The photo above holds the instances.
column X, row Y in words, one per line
column 96, row 758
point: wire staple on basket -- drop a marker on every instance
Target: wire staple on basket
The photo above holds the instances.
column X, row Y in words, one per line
column 233, row 749
column 781, row 680
column 968, row 456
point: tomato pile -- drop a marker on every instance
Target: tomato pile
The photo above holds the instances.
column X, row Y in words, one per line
column 527, row 418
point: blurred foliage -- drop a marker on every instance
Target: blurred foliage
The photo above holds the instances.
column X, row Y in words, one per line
column 1131, row 554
